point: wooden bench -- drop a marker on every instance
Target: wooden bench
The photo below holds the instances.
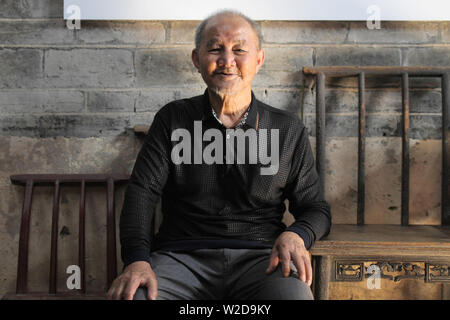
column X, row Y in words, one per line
column 30, row 181
column 398, row 251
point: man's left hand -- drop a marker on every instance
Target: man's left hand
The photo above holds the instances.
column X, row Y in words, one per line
column 290, row 246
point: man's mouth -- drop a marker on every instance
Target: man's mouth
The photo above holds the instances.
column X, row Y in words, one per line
column 226, row 74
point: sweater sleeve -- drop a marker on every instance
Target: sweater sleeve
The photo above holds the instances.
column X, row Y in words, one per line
column 143, row 192
column 306, row 199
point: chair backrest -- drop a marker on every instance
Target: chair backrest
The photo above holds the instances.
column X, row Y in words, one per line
column 33, row 180
column 404, row 72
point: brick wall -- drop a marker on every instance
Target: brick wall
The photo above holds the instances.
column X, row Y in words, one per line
column 69, row 100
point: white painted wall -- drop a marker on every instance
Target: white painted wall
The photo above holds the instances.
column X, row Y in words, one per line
column 260, row 9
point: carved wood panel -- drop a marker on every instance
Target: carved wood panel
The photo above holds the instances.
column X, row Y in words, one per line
column 345, row 270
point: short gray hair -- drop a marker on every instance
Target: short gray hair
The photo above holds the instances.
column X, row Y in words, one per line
column 202, row 25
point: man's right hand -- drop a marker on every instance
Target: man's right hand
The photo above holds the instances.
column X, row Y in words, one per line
column 136, row 274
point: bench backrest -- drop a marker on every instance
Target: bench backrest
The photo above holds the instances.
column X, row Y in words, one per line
column 405, row 73
column 56, row 180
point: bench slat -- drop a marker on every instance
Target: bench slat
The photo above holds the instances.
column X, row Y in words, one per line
column 110, row 234
column 385, row 240
column 361, row 149
column 405, row 150
column 22, row 266
column 445, row 160
column 54, row 239
column 82, row 234
column 21, row 179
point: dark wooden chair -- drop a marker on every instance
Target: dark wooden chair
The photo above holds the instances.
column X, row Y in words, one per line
column 399, row 251
column 30, row 181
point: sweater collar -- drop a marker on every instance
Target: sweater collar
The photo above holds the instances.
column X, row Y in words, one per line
column 252, row 113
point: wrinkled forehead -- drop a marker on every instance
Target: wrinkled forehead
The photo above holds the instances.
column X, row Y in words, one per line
column 236, row 40
column 229, row 28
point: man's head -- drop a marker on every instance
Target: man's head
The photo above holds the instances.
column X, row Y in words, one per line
column 228, row 52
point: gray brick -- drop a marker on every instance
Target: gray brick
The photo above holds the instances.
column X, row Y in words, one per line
column 395, row 32
column 304, row 32
column 141, row 118
column 425, row 101
column 426, row 127
column 357, row 56
column 289, row 100
column 381, row 126
column 112, row 101
column 371, row 82
column 421, row 126
column 82, row 126
column 35, row 33
column 129, row 32
column 20, row 68
column 283, row 67
column 34, row 101
column 376, row 126
column 309, row 120
column 183, row 31
column 428, row 56
column 166, row 67
column 91, row 32
column 309, row 101
column 445, row 31
column 19, row 126
column 153, row 100
column 421, row 101
column 89, row 68
column 382, row 82
column 341, row 126
column 424, row 83
column 384, row 101
column 340, row 101
column 31, row 9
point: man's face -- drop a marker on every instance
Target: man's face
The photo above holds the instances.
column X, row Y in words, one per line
column 228, row 57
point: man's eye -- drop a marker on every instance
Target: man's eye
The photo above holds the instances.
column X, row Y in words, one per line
column 239, row 50
column 215, row 49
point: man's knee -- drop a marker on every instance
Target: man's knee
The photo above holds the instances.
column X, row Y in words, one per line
column 302, row 291
column 285, row 289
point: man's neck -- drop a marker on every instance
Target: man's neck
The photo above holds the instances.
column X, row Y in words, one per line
column 230, row 107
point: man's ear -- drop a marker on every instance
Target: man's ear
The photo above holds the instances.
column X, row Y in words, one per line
column 261, row 57
column 195, row 59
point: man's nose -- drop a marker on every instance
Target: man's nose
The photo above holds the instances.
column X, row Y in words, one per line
column 226, row 59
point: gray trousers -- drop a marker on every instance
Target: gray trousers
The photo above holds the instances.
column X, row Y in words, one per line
column 217, row 274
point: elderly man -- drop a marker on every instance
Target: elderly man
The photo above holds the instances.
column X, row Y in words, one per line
column 222, row 236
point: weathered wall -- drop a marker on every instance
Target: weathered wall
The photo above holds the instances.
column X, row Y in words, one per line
column 69, row 100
